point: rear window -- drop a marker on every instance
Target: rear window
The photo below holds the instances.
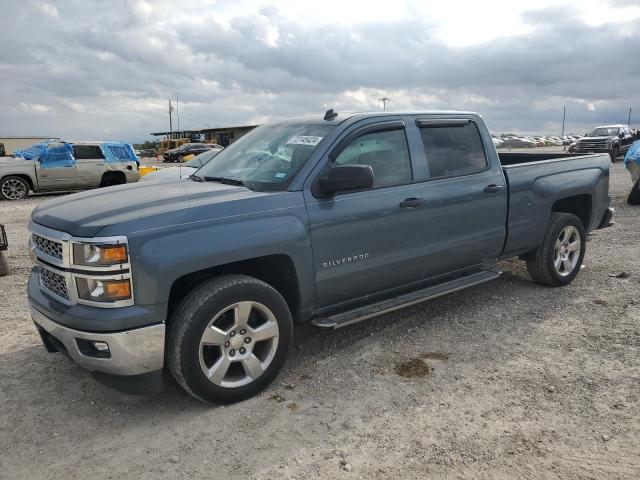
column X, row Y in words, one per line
column 453, row 150
column 87, row 152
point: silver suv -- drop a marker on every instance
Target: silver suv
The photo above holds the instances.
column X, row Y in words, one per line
column 67, row 166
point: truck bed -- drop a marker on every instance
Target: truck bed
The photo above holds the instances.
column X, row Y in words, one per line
column 513, row 158
column 539, row 184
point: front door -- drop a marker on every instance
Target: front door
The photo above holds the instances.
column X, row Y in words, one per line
column 56, row 169
column 365, row 242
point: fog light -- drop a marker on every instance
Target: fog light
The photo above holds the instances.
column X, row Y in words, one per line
column 93, row 348
column 100, row 346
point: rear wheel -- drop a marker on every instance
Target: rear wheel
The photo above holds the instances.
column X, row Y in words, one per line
column 113, row 178
column 229, row 338
column 14, row 188
column 558, row 259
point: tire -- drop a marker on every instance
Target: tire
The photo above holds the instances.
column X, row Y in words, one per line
column 109, row 180
column 614, row 154
column 14, row 188
column 209, row 331
column 4, row 265
column 634, row 195
column 543, row 265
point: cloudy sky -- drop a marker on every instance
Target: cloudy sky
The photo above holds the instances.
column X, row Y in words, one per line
column 84, row 69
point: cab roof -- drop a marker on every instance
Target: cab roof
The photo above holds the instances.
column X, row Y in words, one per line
column 341, row 117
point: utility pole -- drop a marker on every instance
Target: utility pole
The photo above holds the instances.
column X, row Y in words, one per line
column 629, row 120
column 564, row 116
column 170, row 120
column 178, row 111
column 384, row 101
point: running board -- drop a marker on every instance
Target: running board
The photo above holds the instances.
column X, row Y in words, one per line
column 343, row 319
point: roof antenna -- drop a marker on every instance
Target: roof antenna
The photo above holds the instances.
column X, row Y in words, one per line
column 330, row 115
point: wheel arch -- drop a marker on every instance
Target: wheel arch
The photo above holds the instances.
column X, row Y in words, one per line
column 24, row 176
column 276, row 270
column 113, row 174
column 578, row 205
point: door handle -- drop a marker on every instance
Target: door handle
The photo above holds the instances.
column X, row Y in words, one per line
column 493, row 188
column 412, row 202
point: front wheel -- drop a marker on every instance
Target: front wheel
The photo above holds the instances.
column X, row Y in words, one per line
column 558, row 259
column 14, row 188
column 614, row 154
column 229, row 338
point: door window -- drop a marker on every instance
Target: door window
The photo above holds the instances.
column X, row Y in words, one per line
column 453, row 150
column 387, row 153
column 87, row 152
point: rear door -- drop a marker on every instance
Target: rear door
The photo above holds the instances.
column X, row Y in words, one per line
column 463, row 222
column 90, row 164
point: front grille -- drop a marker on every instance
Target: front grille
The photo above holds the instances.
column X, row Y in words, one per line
column 54, row 282
column 50, row 247
column 592, row 145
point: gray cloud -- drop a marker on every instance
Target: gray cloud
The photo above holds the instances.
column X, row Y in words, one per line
column 107, row 72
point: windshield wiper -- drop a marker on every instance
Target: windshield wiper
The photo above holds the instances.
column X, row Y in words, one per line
column 227, row 181
column 196, row 178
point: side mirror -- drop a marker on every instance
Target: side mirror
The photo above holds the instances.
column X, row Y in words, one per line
column 343, row 178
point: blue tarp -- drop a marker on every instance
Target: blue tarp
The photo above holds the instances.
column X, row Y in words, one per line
column 58, row 155
column 118, row 152
column 633, row 154
column 50, row 154
column 53, row 153
column 33, row 151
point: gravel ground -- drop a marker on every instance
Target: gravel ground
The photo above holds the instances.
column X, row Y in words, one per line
column 505, row 380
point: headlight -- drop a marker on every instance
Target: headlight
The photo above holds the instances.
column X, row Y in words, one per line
column 96, row 290
column 93, row 255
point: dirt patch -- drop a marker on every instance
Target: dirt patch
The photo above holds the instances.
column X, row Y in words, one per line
column 415, row 367
column 436, row 356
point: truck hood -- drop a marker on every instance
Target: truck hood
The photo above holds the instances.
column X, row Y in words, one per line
column 124, row 209
column 598, row 138
column 170, row 173
column 14, row 161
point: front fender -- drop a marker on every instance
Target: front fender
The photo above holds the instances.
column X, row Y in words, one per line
column 161, row 260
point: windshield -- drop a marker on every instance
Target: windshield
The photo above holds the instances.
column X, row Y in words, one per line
column 202, row 159
column 267, row 157
column 604, row 132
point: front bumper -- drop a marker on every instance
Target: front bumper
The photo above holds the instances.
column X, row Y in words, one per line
column 131, row 352
column 607, row 218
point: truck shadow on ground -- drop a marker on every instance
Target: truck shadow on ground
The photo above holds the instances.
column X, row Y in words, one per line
column 53, row 376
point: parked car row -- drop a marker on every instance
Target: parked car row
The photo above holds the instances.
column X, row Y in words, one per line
column 514, row 141
column 178, row 154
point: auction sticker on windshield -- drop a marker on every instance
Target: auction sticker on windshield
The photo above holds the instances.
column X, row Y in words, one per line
column 304, row 140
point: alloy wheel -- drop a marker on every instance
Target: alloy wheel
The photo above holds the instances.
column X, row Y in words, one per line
column 567, row 251
column 238, row 344
column 13, row 189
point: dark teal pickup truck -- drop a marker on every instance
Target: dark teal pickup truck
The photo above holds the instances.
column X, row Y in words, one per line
column 328, row 220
